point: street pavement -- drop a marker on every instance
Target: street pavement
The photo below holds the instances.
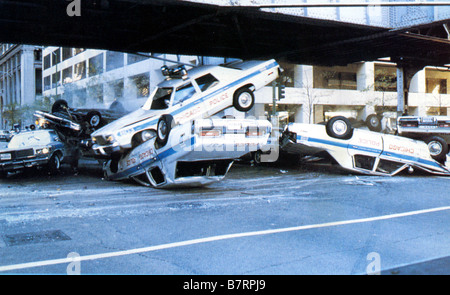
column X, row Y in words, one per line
column 279, row 219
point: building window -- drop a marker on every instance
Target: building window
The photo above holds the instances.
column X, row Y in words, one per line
column 79, row 97
column 134, row 58
column 95, row 93
column 288, row 75
column 96, row 65
column 78, row 51
column 56, row 57
column 142, row 83
column 67, row 75
column 385, row 78
column 47, row 62
column 56, row 79
column 38, row 81
column 66, row 53
column 117, row 89
column 47, row 83
column 79, row 71
column 114, row 60
column 37, row 55
column 436, row 86
column 334, row 78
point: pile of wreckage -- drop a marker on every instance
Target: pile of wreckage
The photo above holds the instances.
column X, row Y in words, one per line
column 180, row 136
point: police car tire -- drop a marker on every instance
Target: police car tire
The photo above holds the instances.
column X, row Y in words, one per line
column 374, row 123
column 331, row 130
column 257, row 157
column 162, row 135
column 237, row 99
column 59, row 105
column 444, row 151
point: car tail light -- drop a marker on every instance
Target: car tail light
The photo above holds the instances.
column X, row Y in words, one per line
column 211, row 133
column 409, row 124
column 444, row 124
column 254, row 132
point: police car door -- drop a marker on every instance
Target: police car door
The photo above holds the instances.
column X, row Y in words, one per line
column 184, row 102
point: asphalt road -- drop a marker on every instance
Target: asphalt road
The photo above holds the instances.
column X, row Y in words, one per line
column 259, row 220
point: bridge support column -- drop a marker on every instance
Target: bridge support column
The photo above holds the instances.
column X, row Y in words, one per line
column 405, row 73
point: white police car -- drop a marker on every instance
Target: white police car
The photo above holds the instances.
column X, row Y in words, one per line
column 362, row 151
column 185, row 96
column 196, row 154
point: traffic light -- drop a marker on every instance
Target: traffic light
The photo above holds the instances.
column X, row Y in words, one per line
column 281, row 91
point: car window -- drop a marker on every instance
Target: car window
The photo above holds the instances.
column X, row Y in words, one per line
column 182, row 93
column 207, row 81
column 161, row 99
column 364, row 162
column 29, row 139
column 388, row 167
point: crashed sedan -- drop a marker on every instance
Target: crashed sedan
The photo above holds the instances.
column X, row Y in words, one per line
column 38, row 148
column 196, row 154
column 186, row 96
column 361, row 151
column 77, row 122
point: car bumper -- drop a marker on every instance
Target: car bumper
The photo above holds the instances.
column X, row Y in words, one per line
column 8, row 166
column 106, row 150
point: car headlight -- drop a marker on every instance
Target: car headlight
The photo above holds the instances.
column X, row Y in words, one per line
column 110, row 139
column 43, row 151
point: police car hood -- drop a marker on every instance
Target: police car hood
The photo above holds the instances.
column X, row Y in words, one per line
column 128, row 120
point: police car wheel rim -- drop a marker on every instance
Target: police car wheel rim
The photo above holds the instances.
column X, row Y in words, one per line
column 245, row 99
column 339, row 127
column 374, row 122
column 435, row 148
column 162, row 130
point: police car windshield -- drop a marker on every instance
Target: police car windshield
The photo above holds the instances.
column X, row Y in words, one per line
column 160, row 99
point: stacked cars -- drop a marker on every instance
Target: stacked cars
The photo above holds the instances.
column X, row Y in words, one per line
column 180, row 137
column 185, row 96
column 146, row 145
column 143, row 144
column 196, row 154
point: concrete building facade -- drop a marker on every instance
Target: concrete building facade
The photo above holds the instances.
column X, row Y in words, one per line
column 96, row 78
column 314, row 94
column 20, row 81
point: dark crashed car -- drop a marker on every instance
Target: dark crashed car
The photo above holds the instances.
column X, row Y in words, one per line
column 74, row 126
column 78, row 122
column 27, row 149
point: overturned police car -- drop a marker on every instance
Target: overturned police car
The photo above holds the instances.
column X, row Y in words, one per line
column 362, row 151
column 197, row 153
column 185, row 96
